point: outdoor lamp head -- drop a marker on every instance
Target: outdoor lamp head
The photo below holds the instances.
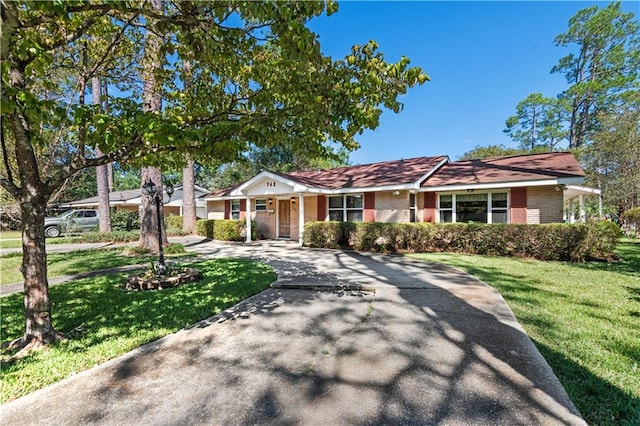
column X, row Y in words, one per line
column 169, row 188
column 148, row 188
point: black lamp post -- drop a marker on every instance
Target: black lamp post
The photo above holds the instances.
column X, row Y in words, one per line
column 150, row 190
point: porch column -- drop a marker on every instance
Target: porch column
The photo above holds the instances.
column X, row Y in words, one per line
column 583, row 215
column 248, row 219
column 572, row 217
column 300, row 218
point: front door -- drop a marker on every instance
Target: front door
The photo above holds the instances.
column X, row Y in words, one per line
column 284, row 219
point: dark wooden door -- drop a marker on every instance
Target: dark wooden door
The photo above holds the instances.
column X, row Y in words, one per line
column 284, row 219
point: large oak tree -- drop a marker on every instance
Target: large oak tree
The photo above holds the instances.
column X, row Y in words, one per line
column 257, row 78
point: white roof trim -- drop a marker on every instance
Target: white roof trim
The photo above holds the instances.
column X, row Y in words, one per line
column 517, row 184
column 584, row 189
column 241, row 190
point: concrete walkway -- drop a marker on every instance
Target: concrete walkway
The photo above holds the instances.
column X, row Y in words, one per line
column 397, row 341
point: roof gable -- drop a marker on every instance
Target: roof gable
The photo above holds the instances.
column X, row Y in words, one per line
column 387, row 173
column 533, row 167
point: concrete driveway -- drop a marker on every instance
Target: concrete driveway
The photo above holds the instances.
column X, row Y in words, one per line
column 396, row 341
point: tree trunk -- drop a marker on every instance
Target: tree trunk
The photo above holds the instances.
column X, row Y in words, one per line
column 152, row 102
column 189, row 216
column 110, row 176
column 149, row 215
column 102, row 173
column 573, row 137
column 33, row 195
column 38, row 329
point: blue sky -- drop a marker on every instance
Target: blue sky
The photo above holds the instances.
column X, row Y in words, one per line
column 483, row 58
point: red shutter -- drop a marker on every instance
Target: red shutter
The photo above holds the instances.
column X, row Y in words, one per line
column 227, row 209
column 518, row 205
column 430, row 207
column 369, row 214
column 322, row 207
column 243, row 209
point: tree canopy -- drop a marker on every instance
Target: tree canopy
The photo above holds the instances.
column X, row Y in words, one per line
column 257, row 77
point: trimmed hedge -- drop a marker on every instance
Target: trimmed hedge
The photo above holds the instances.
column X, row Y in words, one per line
column 173, row 223
column 125, row 220
column 223, row 229
column 576, row 242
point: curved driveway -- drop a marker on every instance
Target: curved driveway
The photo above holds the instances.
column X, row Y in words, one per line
column 394, row 341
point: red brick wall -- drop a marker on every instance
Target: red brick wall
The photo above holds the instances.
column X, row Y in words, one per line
column 518, row 205
column 369, row 214
column 429, row 206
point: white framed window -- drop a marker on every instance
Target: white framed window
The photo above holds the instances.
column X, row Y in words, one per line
column 488, row 207
column 235, row 209
column 345, row 207
column 498, row 206
column 445, row 208
column 261, row 205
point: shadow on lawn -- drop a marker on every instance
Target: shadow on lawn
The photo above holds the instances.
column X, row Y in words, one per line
column 596, row 398
column 629, row 263
column 98, row 309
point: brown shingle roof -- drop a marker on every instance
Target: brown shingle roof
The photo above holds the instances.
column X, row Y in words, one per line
column 532, row 167
column 396, row 172
column 222, row 192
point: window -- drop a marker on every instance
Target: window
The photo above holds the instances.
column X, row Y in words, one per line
column 412, row 207
column 261, row 205
column 484, row 208
column 446, row 208
column 345, row 208
column 90, row 213
column 499, row 207
column 471, row 208
column 235, row 209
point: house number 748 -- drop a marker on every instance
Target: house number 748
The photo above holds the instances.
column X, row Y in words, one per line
column 271, row 184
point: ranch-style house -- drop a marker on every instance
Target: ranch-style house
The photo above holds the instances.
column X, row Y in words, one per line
column 528, row 189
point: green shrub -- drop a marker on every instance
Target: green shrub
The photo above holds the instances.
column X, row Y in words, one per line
column 173, row 223
column 174, row 248
column 578, row 242
column 224, row 229
column 204, row 228
column 599, row 241
column 228, row 230
column 108, row 237
column 125, row 220
column 632, row 216
column 324, row 234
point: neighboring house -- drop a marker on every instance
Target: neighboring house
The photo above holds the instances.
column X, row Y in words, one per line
column 132, row 199
column 518, row 189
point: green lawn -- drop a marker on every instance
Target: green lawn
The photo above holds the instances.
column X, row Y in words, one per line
column 104, row 321
column 10, row 239
column 584, row 319
column 69, row 263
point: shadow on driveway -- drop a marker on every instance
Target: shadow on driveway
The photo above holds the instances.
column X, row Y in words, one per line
column 429, row 345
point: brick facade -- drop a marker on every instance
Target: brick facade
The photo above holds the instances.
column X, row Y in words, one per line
column 544, row 205
column 215, row 209
column 390, row 207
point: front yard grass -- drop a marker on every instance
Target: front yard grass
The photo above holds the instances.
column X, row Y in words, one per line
column 70, row 263
column 103, row 321
column 584, row 319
